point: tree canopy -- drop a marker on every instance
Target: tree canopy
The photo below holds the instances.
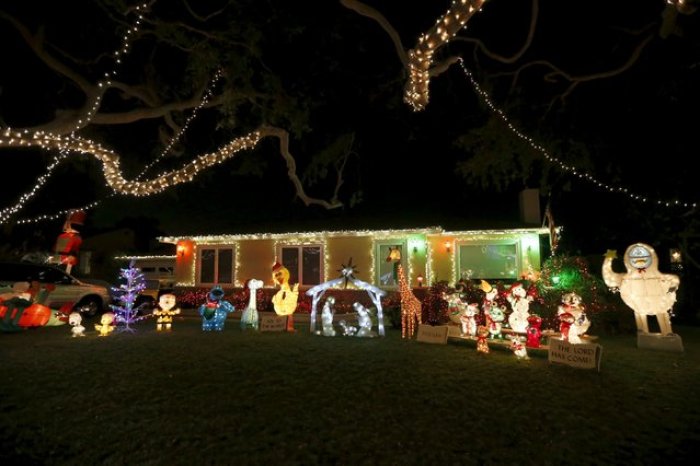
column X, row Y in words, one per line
column 605, row 90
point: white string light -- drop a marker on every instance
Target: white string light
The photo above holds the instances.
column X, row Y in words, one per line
column 563, row 166
column 205, row 99
column 208, row 94
column 420, row 59
column 111, row 161
column 7, row 212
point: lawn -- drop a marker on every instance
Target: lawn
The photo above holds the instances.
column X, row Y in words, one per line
column 193, row 397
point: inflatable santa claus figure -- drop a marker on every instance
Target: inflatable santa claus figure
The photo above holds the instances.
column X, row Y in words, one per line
column 68, row 243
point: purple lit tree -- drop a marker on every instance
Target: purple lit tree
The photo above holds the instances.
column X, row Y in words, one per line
column 126, row 295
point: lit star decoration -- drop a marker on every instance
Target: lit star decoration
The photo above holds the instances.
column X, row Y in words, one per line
column 561, row 165
column 348, row 272
column 7, row 212
column 420, row 59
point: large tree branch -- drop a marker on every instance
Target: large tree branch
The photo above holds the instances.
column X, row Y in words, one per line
column 115, row 178
column 368, row 11
column 517, row 55
column 283, row 137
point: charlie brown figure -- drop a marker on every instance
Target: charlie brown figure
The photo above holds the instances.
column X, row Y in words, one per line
column 165, row 311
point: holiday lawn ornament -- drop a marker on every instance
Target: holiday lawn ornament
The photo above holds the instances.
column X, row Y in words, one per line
column 571, row 304
column 490, row 293
column 250, row 317
column 394, row 257
column 482, row 345
column 566, row 319
column 494, row 318
column 75, row 321
column 410, row 306
column 364, row 321
column 24, row 305
column 347, row 274
column 68, row 243
column 534, row 331
column 164, row 312
column 643, row 288
column 327, row 317
column 520, row 304
column 215, row 310
column 348, row 330
column 468, row 319
column 106, row 325
column 518, row 348
column 285, row 300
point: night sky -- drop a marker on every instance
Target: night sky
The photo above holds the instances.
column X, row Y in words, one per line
column 341, row 70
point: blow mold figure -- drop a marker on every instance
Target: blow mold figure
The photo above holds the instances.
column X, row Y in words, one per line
column 534, row 331
column 165, row 312
column 285, row 300
column 250, row 317
column 215, row 310
column 75, row 321
column 106, row 325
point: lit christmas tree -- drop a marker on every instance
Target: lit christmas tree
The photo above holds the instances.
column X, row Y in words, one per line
column 126, row 296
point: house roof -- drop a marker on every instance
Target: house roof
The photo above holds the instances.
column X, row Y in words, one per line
column 428, row 231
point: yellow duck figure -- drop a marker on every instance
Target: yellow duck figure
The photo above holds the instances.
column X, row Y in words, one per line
column 105, row 326
column 285, row 300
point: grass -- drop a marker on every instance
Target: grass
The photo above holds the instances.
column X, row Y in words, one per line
column 193, row 397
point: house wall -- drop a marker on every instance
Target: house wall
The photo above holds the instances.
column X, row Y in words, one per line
column 184, row 263
column 341, row 249
column 441, row 262
column 255, row 260
column 434, row 256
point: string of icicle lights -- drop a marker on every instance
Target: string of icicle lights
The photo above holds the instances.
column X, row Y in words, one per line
column 208, row 94
column 9, row 211
column 563, row 166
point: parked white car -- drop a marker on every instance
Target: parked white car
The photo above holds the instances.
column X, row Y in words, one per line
column 86, row 298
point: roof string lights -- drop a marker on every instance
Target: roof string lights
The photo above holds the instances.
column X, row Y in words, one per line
column 7, row 212
column 563, row 166
column 420, row 59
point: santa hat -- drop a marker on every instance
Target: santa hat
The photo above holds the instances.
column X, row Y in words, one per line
column 276, row 266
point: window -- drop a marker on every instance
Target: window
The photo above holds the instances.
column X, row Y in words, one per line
column 216, row 266
column 388, row 256
column 304, row 263
column 492, row 260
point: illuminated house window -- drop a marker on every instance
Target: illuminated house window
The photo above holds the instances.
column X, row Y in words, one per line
column 492, row 260
column 388, row 254
column 216, row 265
column 305, row 263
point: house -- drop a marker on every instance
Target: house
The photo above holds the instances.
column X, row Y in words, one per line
column 427, row 255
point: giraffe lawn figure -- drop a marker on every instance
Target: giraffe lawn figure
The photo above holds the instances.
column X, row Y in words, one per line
column 410, row 307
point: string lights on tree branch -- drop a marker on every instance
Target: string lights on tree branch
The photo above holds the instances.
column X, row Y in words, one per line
column 563, row 166
column 420, row 59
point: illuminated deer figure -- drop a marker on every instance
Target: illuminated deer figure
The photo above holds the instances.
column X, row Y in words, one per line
column 410, row 307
